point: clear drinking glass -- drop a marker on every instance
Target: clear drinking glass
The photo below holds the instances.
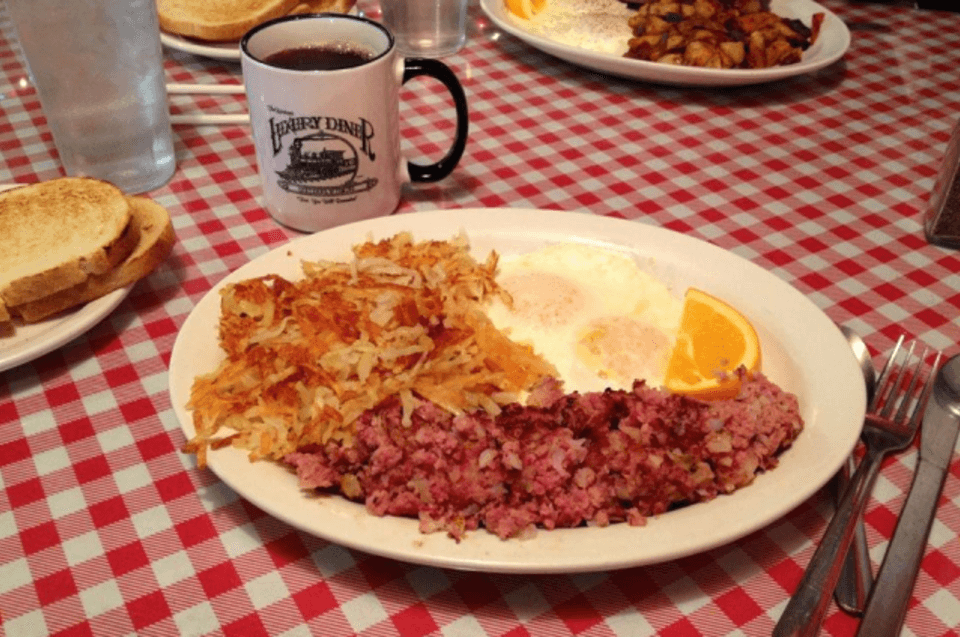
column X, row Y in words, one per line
column 98, row 70
column 426, row 28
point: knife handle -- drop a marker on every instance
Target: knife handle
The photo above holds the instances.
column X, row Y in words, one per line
column 893, row 586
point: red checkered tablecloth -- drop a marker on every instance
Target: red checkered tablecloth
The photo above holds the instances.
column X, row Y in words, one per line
column 106, row 528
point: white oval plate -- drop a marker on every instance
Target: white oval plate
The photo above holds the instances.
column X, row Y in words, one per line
column 30, row 341
column 803, row 351
column 832, row 43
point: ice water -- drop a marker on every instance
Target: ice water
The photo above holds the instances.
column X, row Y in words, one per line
column 98, row 71
column 426, row 28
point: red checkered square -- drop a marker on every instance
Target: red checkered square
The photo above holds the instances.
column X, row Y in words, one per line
column 148, row 610
column 91, row 469
column 248, row 625
column 109, row 511
column 219, row 579
column 25, row 493
column 39, row 538
column 55, row 587
column 127, row 558
column 196, row 530
column 315, row 600
column 414, row 621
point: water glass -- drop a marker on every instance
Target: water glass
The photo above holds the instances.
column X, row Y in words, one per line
column 98, row 70
column 426, row 28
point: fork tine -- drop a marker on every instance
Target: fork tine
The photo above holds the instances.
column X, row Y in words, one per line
column 927, row 389
column 915, row 377
column 895, row 384
column 884, row 373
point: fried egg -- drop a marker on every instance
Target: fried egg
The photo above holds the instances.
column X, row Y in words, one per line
column 592, row 312
column 596, row 25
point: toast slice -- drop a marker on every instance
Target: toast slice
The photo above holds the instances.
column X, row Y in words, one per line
column 55, row 234
column 218, row 20
column 323, row 6
column 156, row 238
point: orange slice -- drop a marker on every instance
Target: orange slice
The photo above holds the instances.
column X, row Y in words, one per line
column 713, row 341
column 525, row 8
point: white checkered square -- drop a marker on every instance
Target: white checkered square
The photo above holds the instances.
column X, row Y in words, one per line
column 101, row 598
column 30, row 624
column 132, row 478
column 115, row 438
column 681, row 593
column 51, row 461
column 66, row 502
column 527, row 602
column 427, row 582
column 364, row 611
column 197, row 620
column 333, row 559
column 37, row 423
column 172, row 569
column 945, row 606
column 82, row 548
column 155, row 384
column 99, row 403
column 152, row 521
column 240, row 541
column 15, row 574
column 466, row 626
column 630, row 623
column 266, row 590
column 88, row 367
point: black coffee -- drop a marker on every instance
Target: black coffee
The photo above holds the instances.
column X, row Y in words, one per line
column 321, row 57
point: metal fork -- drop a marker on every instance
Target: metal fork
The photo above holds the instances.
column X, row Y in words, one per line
column 883, row 434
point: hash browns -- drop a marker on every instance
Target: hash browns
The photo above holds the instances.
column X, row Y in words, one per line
column 305, row 359
column 718, row 34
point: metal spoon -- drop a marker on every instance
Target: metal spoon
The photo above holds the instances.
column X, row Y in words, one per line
column 857, row 576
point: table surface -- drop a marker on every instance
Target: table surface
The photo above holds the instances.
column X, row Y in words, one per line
column 106, row 528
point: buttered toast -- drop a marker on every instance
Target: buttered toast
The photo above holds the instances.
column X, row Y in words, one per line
column 60, row 246
column 323, row 6
column 218, row 20
column 229, row 20
column 56, row 234
column 154, row 230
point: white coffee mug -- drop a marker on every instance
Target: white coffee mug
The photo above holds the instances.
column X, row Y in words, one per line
column 328, row 141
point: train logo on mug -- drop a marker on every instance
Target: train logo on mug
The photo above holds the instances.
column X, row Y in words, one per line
column 323, row 162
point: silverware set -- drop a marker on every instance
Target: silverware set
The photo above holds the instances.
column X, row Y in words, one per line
column 904, row 397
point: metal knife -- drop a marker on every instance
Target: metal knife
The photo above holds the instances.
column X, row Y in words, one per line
column 888, row 601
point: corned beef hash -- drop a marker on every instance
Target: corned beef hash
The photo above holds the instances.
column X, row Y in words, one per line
column 383, row 379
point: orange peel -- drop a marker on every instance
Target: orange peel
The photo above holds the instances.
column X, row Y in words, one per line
column 713, row 341
column 525, row 9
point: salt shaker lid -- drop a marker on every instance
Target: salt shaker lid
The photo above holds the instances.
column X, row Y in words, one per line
column 941, row 222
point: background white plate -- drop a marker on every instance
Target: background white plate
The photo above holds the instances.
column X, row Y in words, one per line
column 803, row 351
column 229, row 51
column 32, row 341
column 832, row 43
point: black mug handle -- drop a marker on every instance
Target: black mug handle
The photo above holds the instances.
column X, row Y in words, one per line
column 415, row 67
